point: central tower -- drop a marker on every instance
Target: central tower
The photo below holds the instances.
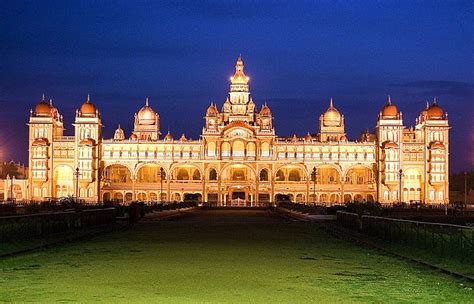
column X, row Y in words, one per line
column 239, row 104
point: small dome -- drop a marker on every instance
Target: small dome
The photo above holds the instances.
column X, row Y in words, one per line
column 212, row 110
column 389, row 111
column 119, row 134
column 265, row 111
column 134, row 136
column 226, row 106
column 435, row 111
column 294, row 138
column 43, row 108
column 146, row 115
column 168, row 136
column 183, row 138
column 332, row 117
column 88, row 109
column 308, row 137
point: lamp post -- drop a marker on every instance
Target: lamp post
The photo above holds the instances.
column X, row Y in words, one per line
column 77, row 174
column 400, row 176
column 162, row 173
column 314, row 173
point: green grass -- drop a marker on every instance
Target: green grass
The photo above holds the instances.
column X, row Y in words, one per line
column 221, row 259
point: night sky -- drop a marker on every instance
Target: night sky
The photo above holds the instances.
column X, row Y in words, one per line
column 181, row 53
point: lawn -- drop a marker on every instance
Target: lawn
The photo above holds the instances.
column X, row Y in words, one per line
column 216, row 257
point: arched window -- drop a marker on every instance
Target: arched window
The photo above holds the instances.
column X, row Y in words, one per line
column 196, row 175
column 238, row 148
column 264, row 175
column 182, row 174
column 294, row 176
column 213, row 174
column 238, row 174
column 279, row 176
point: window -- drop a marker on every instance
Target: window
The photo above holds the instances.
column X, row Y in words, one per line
column 264, row 175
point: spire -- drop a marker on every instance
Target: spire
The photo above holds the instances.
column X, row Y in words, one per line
column 435, row 100
column 389, row 100
column 147, row 102
column 119, row 126
column 427, row 104
column 88, row 100
column 51, row 102
column 43, row 98
column 331, row 104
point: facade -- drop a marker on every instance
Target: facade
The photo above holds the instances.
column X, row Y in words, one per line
column 239, row 159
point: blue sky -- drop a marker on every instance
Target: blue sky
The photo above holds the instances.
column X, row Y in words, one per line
column 298, row 55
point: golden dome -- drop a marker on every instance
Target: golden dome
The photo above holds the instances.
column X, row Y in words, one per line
column 146, row 115
column 168, row 136
column 265, row 111
column 308, row 137
column 88, row 108
column 389, row 111
column 435, row 111
column 183, row 138
column 134, row 136
column 212, row 110
column 332, row 117
column 43, row 108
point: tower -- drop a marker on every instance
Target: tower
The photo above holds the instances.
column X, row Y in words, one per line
column 389, row 150
column 45, row 124
column 88, row 136
column 434, row 128
column 239, row 105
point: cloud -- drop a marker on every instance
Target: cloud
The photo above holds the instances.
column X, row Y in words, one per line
column 441, row 87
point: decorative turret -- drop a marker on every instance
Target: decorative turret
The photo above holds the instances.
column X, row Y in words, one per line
column 88, row 109
column 331, row 125
column 119, row 134
column 147, row 123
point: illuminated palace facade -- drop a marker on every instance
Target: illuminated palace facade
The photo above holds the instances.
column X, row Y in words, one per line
column 239, row 159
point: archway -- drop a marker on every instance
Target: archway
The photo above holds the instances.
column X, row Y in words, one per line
column 150, row 174
column 118, row 174
column 64, row 181
column 359, row 175
column 327, row 175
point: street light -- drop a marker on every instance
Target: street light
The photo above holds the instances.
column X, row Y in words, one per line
column 400, row 176
column 77, row 174
column 162, row 174
column 314, row 173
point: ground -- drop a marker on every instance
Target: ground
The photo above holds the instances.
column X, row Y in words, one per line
column 217, row 257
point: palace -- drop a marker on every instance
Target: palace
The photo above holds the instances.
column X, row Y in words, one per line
column 239, row 159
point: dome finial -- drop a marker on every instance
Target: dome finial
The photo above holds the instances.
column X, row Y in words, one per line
column 435, row 100
column 88, row 100
column 427, row 104
column 147, row 102
column 331, row 103
column 389, row 100
column 51, row 102
column 43, row 98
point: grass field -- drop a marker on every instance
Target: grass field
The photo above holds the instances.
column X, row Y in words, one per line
column 221, row 256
